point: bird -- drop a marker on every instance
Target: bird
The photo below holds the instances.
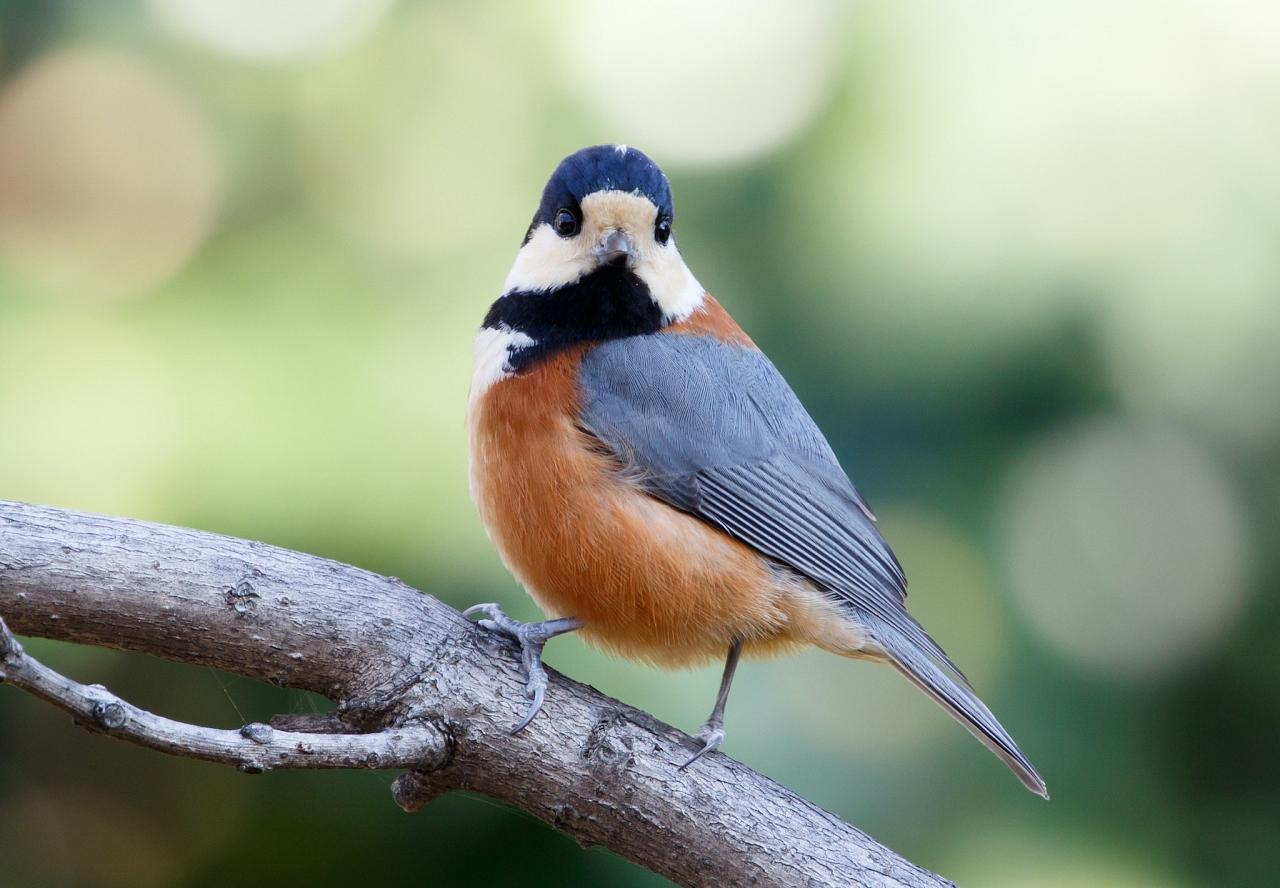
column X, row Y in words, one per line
column 654, row 483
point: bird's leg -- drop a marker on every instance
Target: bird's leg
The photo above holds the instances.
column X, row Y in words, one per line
column 531, row 636
column 712, row 733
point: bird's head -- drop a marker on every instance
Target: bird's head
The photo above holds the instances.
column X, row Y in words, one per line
column 603, row 231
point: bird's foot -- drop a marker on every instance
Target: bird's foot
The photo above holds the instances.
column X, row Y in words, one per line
column 531, row 638
column 712, row 735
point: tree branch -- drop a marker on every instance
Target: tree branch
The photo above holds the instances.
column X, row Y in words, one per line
column 416, row 686
column 253, row 749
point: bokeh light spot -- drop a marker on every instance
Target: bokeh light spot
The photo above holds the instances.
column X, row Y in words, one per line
column 109, row 180
column 399, row 159
column 1126, row 547
column 281, row 29
column 699, row 83
column 1199, row 336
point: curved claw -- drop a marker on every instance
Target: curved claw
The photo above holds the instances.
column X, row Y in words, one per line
column 536, row 682
column 711, row 739
column 539, row 691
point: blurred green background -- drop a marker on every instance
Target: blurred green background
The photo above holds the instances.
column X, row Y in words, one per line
column 1019, row 259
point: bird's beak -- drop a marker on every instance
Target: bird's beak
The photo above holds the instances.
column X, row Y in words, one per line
column 616, row 249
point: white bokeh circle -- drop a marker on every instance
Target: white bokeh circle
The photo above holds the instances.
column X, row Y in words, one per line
column 278, row 30
column 111, row 180
column 400, row 159
column 700, row 83
column 1126, row 547
column 1199, row 336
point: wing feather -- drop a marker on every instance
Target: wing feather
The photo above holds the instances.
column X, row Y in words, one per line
column 713, row 429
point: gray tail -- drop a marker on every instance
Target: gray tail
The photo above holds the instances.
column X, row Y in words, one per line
column 955, row 696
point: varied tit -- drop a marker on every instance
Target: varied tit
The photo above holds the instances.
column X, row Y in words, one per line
column 651, row 479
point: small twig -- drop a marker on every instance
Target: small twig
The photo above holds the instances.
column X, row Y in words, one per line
column 254, row 748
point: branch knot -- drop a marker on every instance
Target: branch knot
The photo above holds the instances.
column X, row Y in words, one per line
column 258, row 733
column 243, row 598
column 110, row 714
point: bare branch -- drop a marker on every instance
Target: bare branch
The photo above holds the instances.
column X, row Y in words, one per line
column 253, row 749
column 425, row 689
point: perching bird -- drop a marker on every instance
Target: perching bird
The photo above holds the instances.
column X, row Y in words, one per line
column 651, row 479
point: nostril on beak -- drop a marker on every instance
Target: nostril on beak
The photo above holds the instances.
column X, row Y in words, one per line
column 616, row 250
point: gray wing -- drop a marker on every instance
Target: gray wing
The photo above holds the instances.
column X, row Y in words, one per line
column 713, row 429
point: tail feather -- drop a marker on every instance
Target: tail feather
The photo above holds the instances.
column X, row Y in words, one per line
column 965, row 707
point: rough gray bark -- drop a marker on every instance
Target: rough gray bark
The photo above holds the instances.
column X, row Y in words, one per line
column 416, row 686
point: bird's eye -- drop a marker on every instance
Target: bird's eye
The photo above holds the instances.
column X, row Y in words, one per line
column 662, row 231
column 566, row 223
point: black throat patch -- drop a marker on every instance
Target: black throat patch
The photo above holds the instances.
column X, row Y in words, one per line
column 608, row 303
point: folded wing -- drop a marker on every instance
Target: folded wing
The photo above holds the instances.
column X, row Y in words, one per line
column 713, row 429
